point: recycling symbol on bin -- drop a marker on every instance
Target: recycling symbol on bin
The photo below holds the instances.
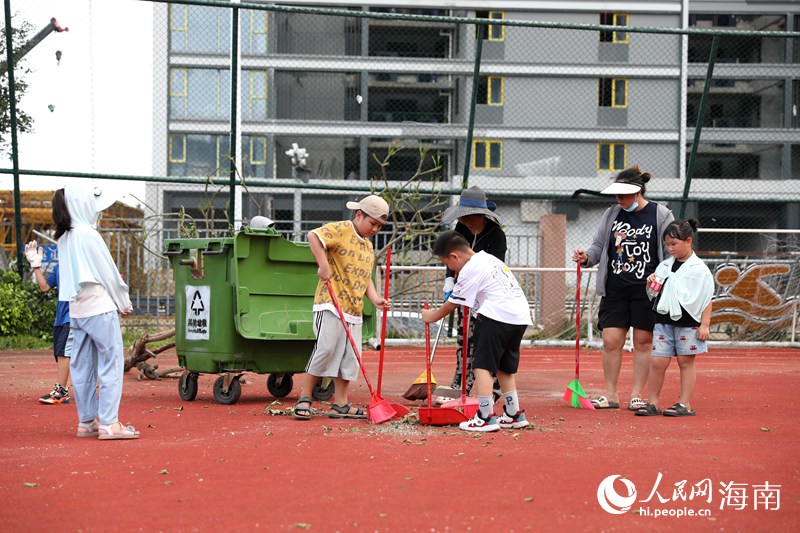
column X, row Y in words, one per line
column 197, row 304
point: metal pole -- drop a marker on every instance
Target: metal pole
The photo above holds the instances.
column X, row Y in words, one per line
column 12, row 109
column 234, row 111
column 475, row 76
column 712, row 57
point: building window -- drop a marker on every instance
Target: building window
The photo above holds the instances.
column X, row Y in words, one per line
column 612, row 92
column 253, row 32
column 199, row 93
column 254, row 95
column 491, row 32
column 177, row 148
column 198, row 155
column 199, row 29
column 254, row 162
column 612, row 156
column 487, row 155
column 490, row 90
column 614, row 19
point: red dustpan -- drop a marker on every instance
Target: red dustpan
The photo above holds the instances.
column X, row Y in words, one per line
column 468, row 405
column 379, row 409
column 401, row 410
column 436, row 416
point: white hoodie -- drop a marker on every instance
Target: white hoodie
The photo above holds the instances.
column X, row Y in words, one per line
column 82, row 254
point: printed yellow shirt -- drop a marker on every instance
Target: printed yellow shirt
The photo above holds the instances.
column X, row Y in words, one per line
column 351, row 258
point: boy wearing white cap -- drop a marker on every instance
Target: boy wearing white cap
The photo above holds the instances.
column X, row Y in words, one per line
column 345, row 257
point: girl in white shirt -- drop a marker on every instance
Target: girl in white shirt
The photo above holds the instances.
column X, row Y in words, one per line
column 682, row 315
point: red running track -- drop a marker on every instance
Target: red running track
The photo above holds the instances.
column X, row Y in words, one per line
column 202, row 466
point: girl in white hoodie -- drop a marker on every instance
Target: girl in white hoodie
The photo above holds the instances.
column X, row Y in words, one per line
column 682, row 315
column 97, row 296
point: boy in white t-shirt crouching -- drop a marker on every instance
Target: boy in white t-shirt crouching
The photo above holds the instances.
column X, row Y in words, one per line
column 501, row 313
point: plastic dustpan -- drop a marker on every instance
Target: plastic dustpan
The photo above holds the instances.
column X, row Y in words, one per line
column 436, row 416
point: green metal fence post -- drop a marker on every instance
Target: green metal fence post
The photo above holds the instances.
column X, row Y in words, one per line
column 712, row 57
column 475, row 75
column 234, row 108
column 12, row 109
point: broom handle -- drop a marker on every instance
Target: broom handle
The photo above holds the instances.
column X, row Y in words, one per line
column 350, row 337
column 383, row 325
column 428, row 356
column 578, row 321
column 464, row 353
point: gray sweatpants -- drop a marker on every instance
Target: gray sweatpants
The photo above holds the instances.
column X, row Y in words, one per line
column 97, row 355
column 333, row 355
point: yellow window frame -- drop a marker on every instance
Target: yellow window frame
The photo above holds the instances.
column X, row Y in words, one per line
column 253, row 31
column 185, row 88
column 497, row 15
column 172, row 137
column 615, row 38
column 490, row 93
column 487, row 151
column 614, row 82
column 253, row 96
column 612, row 163
column 253, row 160
column 185, row 26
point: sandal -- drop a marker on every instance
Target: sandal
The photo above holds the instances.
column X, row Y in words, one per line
column 299, row 412
column 343, row 411
column 88, row 429
column 636, row 403
column 109, row 432
column 648, row 410
column 678, row 410
column 603, row 403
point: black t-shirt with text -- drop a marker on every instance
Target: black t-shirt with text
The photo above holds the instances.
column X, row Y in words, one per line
column 632, row 250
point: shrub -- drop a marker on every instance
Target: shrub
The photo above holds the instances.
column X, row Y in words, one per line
column 24, row 308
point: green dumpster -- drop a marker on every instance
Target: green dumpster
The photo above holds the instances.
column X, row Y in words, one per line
column 243, row 304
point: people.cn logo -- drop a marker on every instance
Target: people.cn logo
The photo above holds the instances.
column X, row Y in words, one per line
column 611, row 501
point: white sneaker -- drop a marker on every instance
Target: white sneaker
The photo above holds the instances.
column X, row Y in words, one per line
column 477, row 423
column 512, row 422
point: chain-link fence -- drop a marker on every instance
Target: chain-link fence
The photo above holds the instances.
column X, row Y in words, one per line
column 289, row 112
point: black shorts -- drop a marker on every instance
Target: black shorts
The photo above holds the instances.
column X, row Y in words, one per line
column 60, row 336
column 626, row 310
column 497, row 345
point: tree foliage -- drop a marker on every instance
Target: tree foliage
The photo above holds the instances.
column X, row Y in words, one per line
column 20, row 33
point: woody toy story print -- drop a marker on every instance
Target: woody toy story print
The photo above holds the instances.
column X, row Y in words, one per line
column 633, row 250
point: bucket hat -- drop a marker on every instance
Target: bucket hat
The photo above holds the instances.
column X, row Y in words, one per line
column 472, row 202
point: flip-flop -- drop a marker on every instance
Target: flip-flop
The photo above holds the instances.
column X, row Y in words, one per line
column 299, row 412
column 128, row 432
column 635, row 404
column 603, row 403
column 343, row 411
column 648, row 410
column 679, row 410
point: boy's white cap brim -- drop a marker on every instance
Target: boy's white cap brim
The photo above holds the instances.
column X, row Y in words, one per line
column 621, row 188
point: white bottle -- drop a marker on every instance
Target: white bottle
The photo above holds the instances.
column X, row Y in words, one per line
column 654, row 287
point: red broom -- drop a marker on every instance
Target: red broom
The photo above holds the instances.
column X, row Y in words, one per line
column 401, row 410
column 574, row 394
column 379, row 409
column 468, row 405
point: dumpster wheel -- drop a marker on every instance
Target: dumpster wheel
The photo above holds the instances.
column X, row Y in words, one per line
column 187, row 386
column 280, row 385
column 323, row 390
column 234, row 390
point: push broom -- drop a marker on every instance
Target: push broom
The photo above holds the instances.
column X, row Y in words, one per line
column 401, row 410
column 379, row 410
column 574, row 394
column 419, row 389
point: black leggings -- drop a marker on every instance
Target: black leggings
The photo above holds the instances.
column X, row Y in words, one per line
column 456, row 383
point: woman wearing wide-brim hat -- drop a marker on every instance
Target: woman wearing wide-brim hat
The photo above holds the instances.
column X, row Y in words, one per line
column 627, row 247
column 480, row 225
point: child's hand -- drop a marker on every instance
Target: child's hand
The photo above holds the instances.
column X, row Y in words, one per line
column 703, row 334
column 428, row 315
column 34, row 254
column 385, row 303
column 650, row 278
column 324, row 272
